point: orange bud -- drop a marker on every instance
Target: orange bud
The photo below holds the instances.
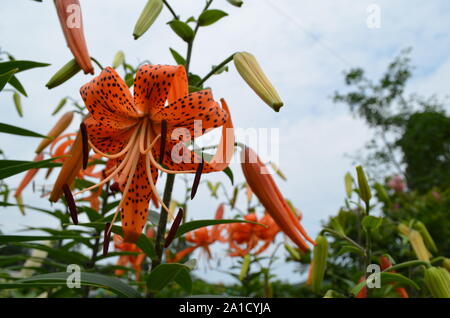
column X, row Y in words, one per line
column 28, row 177
column 57, row 130
column 70, row 18
column 264, row 187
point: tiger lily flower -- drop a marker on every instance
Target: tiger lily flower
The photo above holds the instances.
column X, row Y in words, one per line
column 145, row 133
column 203, row 237
column 252, row 234
column 266, row 190
column 69, row 14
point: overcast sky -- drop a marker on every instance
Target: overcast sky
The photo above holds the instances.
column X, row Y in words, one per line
column 304, row 47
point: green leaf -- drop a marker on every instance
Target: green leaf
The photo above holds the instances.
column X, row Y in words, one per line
column 350, row 249
column 20, row 64
column 86, row 279
column 177, row 57
column 14, row 130
column 229, row 174
column 164, row 274
column 337, row 226
column 209, row 17
column 5, row 77
column 184, row 280
column 14, row 82
column 9, row 168
column 387, row 278
column 372, row 222
column 183, row 30
column 7, row 239
column 193, row 225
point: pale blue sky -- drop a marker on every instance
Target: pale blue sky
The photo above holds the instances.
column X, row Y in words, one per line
column 303, row 46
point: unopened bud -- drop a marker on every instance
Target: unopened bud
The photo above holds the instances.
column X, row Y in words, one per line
column 429, row 242
column 348, row 179
column 418, row 246
column 59, row 127
column 60, row 106
column 381, row 193
column 363, row 185
column 249, row 69
column 294, row 253
column 18, row 104
column 64, row 74
column 320, row 255
column 403, row 229
column 119, row 58
column 245, row 267
column 19, row 201
column 151, row 11
column 437, row 281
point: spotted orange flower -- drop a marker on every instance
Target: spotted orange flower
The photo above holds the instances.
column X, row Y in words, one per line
column 245, row 237
column 203, row 237
column 146, row 133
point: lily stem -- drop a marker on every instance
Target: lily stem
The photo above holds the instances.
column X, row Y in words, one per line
column 159, row 240
column 215, row 69
column 171, row 10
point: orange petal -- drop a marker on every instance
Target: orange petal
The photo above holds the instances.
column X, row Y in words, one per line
column 109, row 101
column 105, row 138
column 135, row 203
column 28, row 176
column 155, row 84
column 198, row 106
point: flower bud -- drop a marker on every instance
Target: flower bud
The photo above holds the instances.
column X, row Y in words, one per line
column 64, row 74
column 381, row 193
column 403, row 229
column 236, row 3
column 319, row 260
column 348, row 184
column 70, row 18
column 363, row 185
column 294, row 253
column 60, row 106
column 151, row 11
column 70, row 168
column 18, row 104
column 245, row 267
column 118, row 59
column 19, row 201
column 59, row 127
column 446, row 264
column 418, row 246
column 437, row 282
column 249, row 69
column 429, row 242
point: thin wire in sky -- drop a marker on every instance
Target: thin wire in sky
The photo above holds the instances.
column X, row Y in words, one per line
column 307, row 32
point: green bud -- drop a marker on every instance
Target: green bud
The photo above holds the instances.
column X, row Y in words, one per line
column 348, row 184
column 19, row 201
column 363, row 186
column 294, row 253
column 429, row 242
column 249, row 69
column 64, row 74
column 119, row 58
column 381, row 193
column 319, row 261
column 151, row 11
column 60, row 106
column 446, row 264
column 438, row 282
column 18, row 103
column 245, row 267
column 236, row 3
